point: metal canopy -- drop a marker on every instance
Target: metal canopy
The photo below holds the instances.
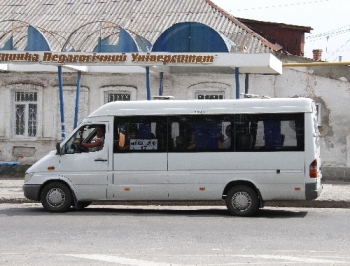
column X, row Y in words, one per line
column 158, row 62
column 226, row 63
column 195, row 36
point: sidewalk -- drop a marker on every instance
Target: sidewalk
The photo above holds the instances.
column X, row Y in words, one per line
column 334, row 195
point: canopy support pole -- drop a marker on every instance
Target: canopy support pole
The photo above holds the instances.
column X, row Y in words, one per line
column 246, row 90
column 77, row 100
column 148, row 86
column 60, row 84
column 161, row 83
column 237, row 82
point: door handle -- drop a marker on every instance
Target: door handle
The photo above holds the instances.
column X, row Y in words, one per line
column 100, row 160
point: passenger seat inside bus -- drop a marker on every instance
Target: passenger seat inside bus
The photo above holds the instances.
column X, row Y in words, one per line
column 244, row 142
column 180, row 142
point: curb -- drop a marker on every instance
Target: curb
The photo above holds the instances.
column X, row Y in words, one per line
column 16, row 201
column 281, row 204
column 310, row 204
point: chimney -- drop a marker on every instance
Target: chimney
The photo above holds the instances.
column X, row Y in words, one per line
column 317, row 54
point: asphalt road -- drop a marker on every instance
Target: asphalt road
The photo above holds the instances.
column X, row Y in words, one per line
column 163, row 235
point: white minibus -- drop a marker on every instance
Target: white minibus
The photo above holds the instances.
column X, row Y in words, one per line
column 245, row 152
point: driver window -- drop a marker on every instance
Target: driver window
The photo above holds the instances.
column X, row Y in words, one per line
column 88, row 138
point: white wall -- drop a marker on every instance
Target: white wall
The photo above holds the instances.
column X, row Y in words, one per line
column 333, row 95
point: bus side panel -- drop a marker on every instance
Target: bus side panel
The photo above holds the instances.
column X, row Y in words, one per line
column 278, row 175
column 140, row 176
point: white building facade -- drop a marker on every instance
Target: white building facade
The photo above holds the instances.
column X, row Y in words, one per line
column 30, row 112
column 30, row 122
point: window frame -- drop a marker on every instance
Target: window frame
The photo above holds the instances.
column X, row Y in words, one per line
column 26, row 113
column 108, row 93
column 209, row 88
column 118, row 89
column 210, row 93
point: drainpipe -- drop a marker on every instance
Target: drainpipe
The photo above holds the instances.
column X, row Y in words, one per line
column 77, row 100
column 160, row 83
column 60, row 84
column 246, row 90
column 148, row 87
column 237, row 82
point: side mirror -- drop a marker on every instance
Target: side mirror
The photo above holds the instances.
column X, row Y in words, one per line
column 58, row 148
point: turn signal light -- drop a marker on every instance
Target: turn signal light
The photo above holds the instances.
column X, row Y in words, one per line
column 313, row 169
column 51, row 168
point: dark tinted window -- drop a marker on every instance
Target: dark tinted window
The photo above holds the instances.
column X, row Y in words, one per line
column 200, row 133
column 140, row 134
column 269, row 132
column 208, row 133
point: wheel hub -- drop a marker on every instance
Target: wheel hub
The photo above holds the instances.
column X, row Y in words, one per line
column 241, row 201
column 55, row 197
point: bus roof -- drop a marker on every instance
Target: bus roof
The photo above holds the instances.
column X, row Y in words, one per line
column 181, row 107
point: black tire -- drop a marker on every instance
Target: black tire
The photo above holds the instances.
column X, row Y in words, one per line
column 56, row 197
column 242, row 201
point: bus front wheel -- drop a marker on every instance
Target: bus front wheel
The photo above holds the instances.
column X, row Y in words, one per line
column 56, row 197
column 242, row 201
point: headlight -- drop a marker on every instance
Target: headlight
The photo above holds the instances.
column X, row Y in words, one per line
column 27, row 177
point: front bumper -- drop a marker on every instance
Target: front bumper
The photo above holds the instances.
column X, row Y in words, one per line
column 32, row 192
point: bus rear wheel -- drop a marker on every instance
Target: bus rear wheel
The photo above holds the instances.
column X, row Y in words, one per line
column 242, row 201
column 56, row 197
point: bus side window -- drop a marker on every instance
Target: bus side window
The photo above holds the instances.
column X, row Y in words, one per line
column 244, row 142
column 205, row 135
column 299, row 129
column 273, row 136
column 175, row 135
column 193, row 133
column 119, row 136
column 181, row 134
column 276, row 132
column 225, row 137
column 140, row 134
column 245, row 132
